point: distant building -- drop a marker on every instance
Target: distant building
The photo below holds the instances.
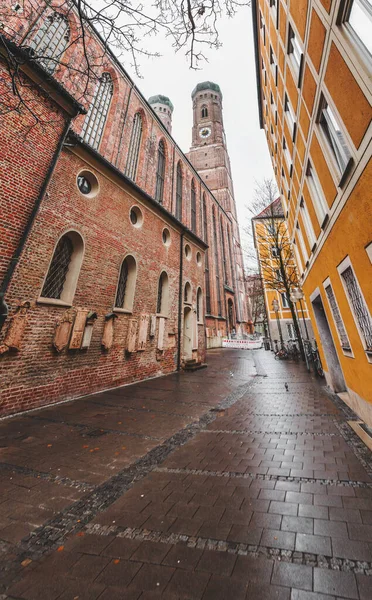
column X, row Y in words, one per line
column 314, row 62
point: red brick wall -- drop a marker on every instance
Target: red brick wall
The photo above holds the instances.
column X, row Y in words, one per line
column 27, row 146
column 38, row 374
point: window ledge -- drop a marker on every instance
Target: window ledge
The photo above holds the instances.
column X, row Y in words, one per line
column 53, row 302
column 122, row 311
column 160, row 316
column 346, row 172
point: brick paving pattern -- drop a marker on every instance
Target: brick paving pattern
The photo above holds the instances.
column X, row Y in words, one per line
column 216, row 484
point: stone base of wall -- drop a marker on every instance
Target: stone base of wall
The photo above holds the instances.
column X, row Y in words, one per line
column 360, row 406
column 214, row 342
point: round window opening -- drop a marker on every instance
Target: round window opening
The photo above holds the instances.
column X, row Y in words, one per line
column 135, row 216
column 166, row 237
column 188, row 252
column 87, row 184
column 198, row 258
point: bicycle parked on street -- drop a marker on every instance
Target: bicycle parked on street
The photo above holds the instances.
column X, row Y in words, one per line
column 289, row 352
column 313, row 358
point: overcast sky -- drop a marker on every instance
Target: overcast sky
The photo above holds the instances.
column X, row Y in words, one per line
column 233, row 68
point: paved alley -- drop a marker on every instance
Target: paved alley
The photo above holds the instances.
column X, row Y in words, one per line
column 219, row 484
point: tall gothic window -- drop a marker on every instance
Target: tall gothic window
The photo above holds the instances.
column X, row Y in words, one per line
column 206, row 261
column 50, row 41
column 126, row 284
column 179, row 192
column 160, row 173
column 219, row 306
column 134, row 147
column 230, row 251
column 98, row 110
column 204, row 112
column 193, row 207
column 60, row 282
column 223, row 254
column 199, row 306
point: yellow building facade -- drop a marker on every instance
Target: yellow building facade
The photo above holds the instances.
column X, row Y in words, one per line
column 314, row 77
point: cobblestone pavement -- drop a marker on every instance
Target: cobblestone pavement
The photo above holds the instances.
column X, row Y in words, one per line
column 208, row 485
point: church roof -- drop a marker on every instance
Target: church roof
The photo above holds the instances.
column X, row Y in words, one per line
column 206, row 85
column 274, row 209
column 160, row 99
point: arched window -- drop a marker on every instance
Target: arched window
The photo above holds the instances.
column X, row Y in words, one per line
column 204, row 112
column 179, row 192
column 134, row 147
column 163, row 295
column 193, row 207
column 187, row 293
column 98, row 110
column 206, row 261
column 50, row 41
column 126, row 284
column 160, row 173
column 223, row 254
column 199, row 306
column 60, row 282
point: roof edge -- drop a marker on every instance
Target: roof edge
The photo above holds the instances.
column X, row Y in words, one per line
column 257, row 61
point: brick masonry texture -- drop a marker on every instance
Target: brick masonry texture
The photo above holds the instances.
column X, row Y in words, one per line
column 37, row 375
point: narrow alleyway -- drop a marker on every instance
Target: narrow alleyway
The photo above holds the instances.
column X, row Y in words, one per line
column 219, row 484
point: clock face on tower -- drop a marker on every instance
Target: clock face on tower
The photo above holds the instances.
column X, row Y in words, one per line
column 205, row 132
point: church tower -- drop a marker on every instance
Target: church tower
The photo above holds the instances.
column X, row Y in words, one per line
column 208, row 153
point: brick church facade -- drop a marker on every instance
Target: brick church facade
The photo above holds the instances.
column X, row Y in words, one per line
column 120, row 257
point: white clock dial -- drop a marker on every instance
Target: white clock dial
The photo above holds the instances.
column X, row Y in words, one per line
column 205, row 132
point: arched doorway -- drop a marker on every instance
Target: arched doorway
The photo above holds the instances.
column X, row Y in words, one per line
column 187, row 333
column 231, row 315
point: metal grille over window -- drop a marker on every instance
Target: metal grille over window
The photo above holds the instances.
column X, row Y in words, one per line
column 359, row 306
column 134, row 147
column 160, row 294
column 206, row 261
column 179, row 192
column 55, row 280
column 50, row 41
column 217, row 266
column 337, row 318
column 198, row 305
column 160, row 173
column 97, row 112
column 193, row 207
column 122, row 285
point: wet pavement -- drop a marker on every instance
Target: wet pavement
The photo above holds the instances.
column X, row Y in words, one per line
column 207, row 485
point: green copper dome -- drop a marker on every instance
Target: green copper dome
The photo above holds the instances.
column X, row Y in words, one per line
column 206, row 85
column 159, row 99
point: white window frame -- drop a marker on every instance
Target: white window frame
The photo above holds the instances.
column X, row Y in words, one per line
column 290, row 330
column 274, row 11
column 273, row 65
column 333, row 135
column 295, row 53
column 346, row 350
column 343, row 19
column 369, row 251
column 341, row 268
column 302, row 243
column 316, row 192
column 290, row 115
column 307, row 223
column 287, row 155
column 300, row 265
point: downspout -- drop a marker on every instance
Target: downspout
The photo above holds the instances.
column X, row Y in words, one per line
column 180, row 296
column 4, row 309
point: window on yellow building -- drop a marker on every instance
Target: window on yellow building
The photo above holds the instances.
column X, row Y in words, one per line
column 285, row 302
column 317, row 195
column 357, row 303
column 334, row 137
column 308, row 224
column 273, row 66
column 291, row 117
column 344, row 340
column 356, row 15
column 295, row 52
column 302, row 243
column 274, row 11
column 287, row 156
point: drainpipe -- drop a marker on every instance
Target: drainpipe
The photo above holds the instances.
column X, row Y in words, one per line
column 4, row 309
column 180, row 296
